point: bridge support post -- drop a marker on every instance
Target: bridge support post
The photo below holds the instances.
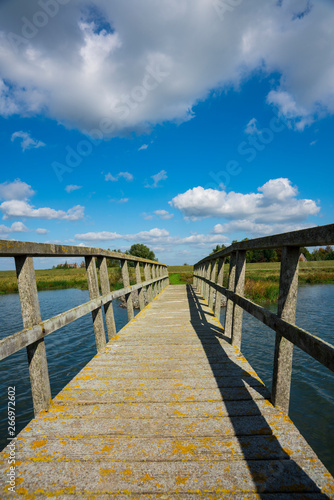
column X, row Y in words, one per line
column 195, row 278
column 212, row 278
column 93, row 287
column 230, row 304
column 286, row 309
column 141, row 290
column 159, row 276
column 128, row 296
column 207, row 276
column 147, row 275
column 154, row 285
column 239, row 288
column 220, row 277
column 202, row 281
column 105, row 288
column 31, row 315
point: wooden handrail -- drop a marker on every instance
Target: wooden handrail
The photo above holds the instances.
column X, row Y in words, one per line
column 287, row 334
column 32, row 336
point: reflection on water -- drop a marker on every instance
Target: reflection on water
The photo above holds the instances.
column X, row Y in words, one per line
column 312, row 387
column 69, row 349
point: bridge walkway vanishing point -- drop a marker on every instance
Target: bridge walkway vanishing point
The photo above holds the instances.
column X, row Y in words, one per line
column 168, row 409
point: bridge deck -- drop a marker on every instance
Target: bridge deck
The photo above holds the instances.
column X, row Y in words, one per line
column 168, row 410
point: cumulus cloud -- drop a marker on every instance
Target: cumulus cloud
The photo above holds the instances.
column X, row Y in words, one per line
column 135, row 65
column 275, row 202
column 143, row 147
column 40, row 230
column 72, row 187
column 16, row 227
column 252, row 228
column 121, row 175
column 27, row 142
column 160, row 176
column 251, row 127
column 18, row 208
column 16, row 190
column 16, row 195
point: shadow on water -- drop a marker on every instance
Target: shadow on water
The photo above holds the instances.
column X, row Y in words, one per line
column 277, row 472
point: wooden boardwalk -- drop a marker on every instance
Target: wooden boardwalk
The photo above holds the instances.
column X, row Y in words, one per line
column 169, row 409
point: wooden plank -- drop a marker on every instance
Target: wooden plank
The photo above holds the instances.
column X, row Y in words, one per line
column 166, row 412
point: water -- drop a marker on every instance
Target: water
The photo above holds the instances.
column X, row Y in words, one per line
column 69, row 349
column 312, row 386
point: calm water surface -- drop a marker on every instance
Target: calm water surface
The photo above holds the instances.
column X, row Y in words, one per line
column 69, row 349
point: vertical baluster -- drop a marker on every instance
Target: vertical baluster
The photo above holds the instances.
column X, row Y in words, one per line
column 154, row 285
column 220, row 277
column 202, row 283
column 207, row 276
column 94, row 293
column 126, row 283
column 286, row 309
column 158, row 276
column 239, row 287
column 230, row 304
column 38, row 365
column 141, row 290
column 194, row 277
column 212, row 278
column 105, row 288
column 147, row 278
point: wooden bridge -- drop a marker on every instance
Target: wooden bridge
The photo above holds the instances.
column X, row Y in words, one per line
column 168, row 408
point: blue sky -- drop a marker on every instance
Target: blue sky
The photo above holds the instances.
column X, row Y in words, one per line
column 117, row 126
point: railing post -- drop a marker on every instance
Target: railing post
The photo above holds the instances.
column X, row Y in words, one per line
column 207, row 276
column 202, row 281
column 230, row 304
column 239, row 288
column 93, row 287
column 154, row 285
column 220, row 277
column 147, row 275
column 105, row 288
column 195, row 278
column 286, row 309
column 141, row 290
column 212, row 278
column 158, row 273
column 167, row 276
column 31, row 315
column 126, row 283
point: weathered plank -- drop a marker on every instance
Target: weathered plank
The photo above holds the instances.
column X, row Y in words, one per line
column 166, row 412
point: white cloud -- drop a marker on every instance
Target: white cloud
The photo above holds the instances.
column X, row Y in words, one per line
column 72, row 187
column 313, row 143
column 41, row 231
column 163, row 214
column 18, row 208
column 27, row 142
column 275, row 202
column 144, row 146
column 156, row 236
column 160, row 176
column 144, row 70
column 16, row 227
column 16, row 190
column 299, row 116
column 125, row 175
column 254, row 229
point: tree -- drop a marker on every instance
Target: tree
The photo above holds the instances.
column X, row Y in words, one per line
column 142, row 251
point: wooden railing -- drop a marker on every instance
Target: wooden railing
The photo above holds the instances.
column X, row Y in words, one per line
column 32, row 337
column 208, row 276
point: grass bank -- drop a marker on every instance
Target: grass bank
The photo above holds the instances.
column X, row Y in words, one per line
column 262, row 279
column 53, row 279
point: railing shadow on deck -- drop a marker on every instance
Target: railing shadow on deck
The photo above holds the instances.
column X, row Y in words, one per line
column 279, row 463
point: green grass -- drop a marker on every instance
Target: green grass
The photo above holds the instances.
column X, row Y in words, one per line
column 180, row 269
column 181, row 278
